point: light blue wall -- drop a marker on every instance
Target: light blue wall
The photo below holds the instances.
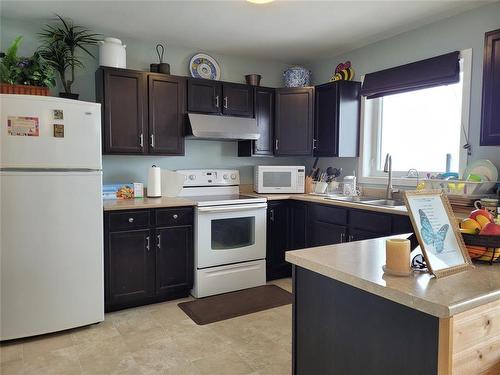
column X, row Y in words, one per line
column 456, row 33
column 140, row 53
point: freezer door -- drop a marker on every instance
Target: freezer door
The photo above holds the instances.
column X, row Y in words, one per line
column 51, row 254
column 79, row 146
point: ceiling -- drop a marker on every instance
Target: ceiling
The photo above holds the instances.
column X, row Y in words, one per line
column 289, row 31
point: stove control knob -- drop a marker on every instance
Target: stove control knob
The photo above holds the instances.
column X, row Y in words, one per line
column 192, row 177
column 226, row 177
column 233, row 176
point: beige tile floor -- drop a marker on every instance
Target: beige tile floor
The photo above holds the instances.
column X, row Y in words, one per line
column 160, row 339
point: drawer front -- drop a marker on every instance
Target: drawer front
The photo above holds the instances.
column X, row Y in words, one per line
column 370, row 221
column 174, row 216
column 129, row 220
column 328, row 214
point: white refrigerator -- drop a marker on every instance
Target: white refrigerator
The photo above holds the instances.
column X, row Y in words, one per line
column 51, row 253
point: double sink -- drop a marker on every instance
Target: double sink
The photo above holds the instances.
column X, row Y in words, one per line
column 367, row 200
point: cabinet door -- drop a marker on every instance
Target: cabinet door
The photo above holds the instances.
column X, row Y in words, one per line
column 166, row 114
column 123, row 99
column 490, row 124
column 336, row 126
column 204, row 96
column 264, row 115
column 130, row 267
column 358, row 235
column 321, row 233
column 294, row 121
column 237, row 99
column 277, row 244
column 174, row 258
column 298, row 225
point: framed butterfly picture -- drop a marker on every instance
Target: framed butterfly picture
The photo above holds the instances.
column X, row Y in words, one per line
column 437, row 232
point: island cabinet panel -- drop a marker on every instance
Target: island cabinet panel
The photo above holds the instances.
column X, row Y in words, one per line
column 123, row 96
column 476, row 340
column 204, row 96
column 148, row 256
column 277, row 240
column 264, row 115
column 166, row 114
column 238, row 99
column 490, row 124
column 294, row 121
column 340, row 329
column 336, row 124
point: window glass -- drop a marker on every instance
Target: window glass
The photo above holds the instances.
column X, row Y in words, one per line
column 419, row 128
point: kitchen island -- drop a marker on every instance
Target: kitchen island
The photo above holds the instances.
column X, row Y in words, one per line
column 350, row 318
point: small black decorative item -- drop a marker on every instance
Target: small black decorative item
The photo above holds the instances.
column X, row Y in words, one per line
column 161, row 67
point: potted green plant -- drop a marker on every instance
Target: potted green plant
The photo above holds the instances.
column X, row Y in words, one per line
column 61, row 45
column 24, row 75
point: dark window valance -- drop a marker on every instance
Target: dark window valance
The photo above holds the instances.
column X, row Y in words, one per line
column 436, row 71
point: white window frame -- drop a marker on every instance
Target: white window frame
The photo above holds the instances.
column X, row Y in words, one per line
column 370, row 133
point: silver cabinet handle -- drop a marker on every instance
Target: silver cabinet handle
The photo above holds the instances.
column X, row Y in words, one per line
column 342, row 237
column 351, row 238
column 141, row 140
column 152, row 140
column 147, row 243
column 315, row 145
column 271, row 217
column 159, row 241
column 276, row 145
column 175, row 216
column 217, row 101
column 225, row 102
column 130, row 219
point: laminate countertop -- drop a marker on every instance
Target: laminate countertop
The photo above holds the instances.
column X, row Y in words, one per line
column 359, row 264
column 141, row 203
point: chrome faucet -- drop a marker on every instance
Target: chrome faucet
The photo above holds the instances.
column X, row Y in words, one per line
column 388, row 169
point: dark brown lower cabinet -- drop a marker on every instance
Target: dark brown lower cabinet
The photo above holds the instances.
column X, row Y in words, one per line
column 145, row 263
column 130, row 261
column 277, row 240
column 322, row 233
column 174, row 265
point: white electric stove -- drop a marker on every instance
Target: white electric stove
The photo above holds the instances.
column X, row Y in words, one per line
column 230, row 232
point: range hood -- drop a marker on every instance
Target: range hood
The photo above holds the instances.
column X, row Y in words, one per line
column 222, row 127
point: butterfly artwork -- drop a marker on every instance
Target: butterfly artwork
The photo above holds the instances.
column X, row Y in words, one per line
column 435, row 239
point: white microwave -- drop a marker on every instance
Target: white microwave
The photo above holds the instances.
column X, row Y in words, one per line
column 279, row 179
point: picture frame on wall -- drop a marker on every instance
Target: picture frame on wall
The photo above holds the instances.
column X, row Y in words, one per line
column 437, row 232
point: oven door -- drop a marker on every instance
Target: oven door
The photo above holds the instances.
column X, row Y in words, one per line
column 230, row 234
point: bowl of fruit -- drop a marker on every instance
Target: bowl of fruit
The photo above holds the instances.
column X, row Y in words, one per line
column 481, row 236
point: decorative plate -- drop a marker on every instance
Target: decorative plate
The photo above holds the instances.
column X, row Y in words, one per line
column 484, row 168
column 204, row 66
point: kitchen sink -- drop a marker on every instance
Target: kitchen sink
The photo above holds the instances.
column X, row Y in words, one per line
column 350, row 199
column 385, row 202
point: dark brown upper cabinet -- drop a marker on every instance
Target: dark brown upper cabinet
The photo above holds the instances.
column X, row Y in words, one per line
column 166, row 114
column 204, row 96
column 122, row 94
column 336, row 125
column 294, row 121
column 215, row 97
column 264, row 115
column 490, row 123
column 142, row 113
column 237, row 99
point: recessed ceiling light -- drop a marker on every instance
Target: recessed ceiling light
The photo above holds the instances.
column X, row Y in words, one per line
column 260, row 1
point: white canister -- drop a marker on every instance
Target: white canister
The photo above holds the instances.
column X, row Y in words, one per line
column 112, row 53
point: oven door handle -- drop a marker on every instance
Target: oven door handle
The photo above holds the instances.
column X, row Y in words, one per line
column 232, row 208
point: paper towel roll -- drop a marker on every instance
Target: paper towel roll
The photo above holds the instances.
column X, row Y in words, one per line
column 154, row 181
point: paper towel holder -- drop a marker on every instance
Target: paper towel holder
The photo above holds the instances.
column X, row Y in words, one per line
column 154, row 182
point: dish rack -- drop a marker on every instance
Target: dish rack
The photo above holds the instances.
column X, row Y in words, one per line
column 462, row 188
column 491, row 245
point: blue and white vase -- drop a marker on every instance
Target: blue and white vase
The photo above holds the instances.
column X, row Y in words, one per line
column 296, row 76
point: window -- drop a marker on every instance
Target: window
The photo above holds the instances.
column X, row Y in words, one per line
column 423, row 129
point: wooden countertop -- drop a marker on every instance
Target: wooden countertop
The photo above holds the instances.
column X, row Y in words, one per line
column 138, row 203
column 359, row 264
